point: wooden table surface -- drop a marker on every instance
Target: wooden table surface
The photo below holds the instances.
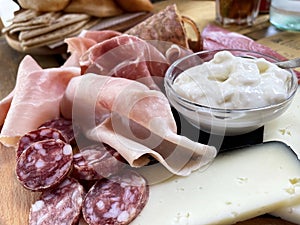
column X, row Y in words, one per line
column 16, row 201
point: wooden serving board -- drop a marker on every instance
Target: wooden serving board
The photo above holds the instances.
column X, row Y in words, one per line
column 15, row 200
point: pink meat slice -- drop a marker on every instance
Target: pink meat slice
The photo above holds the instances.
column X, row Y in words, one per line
column 134, row 120
column 4, row 106
column 77, row 46
column 36, row 99
column 126, row 56
column 215, row 37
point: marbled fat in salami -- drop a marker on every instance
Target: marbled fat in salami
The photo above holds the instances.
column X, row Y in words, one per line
column 97, row 161
column 65, row 126
column 44, row 164
column 117, row 200
column 59, row 206
column 38, row 135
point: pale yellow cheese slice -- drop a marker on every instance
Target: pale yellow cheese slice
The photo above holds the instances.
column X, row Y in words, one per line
column 238, row 185
column 286, row 128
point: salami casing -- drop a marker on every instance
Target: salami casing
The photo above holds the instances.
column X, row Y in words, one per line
column 59, row 206
column 117, row 200
column 38, row 135
column 44, row 164
column 97, row 161
column 65, row 126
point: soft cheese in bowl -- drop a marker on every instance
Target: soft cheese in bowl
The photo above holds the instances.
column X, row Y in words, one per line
column 229, row 92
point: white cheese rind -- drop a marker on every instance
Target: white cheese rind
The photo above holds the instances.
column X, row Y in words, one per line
column 238, row 185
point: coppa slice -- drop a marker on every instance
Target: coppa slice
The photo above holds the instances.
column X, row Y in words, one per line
column 215, row 37
column 238, row 185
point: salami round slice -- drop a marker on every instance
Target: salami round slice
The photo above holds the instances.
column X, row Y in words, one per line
column 96, row 162
column 117, row 200
column 44, row 164
column 65, row 126
column 38, row 135
column 61, row 205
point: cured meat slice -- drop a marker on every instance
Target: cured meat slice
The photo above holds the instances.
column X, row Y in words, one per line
column 44, row 164
column 110, row 57
column 38, row 135
column 117, row 200
column 4, row 106
column 215, row 37
column 61, row 205
column 77, row 46
column 134, row 120
column 96, row 162
column 36, row 99
column 166, row 26
column 65, row 126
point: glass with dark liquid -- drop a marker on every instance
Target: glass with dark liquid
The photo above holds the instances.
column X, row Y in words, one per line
column 239, row 12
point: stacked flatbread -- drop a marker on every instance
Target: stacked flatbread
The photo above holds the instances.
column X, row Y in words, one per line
column 33, row 26
column 34, row 29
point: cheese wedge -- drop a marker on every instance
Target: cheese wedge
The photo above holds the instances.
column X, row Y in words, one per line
column 238, row 185
column 286, row 128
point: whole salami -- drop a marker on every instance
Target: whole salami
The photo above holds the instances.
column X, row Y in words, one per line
column 61, row 205
column 117, row 200
column 44, row 164
column 97, row 161
column 65, row 126
column 38, row 135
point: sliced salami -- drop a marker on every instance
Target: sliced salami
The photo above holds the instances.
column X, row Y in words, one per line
column 61, row 205
column 97, row 161
column 38, row 135
column 117, row 200
column 65, row 126
column 44, row 164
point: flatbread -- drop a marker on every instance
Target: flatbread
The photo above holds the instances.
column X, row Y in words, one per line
column 25, row 15
column 165, row 25
column 98, row 8
column 43, row 19
column 61, row 22
column 60, row 34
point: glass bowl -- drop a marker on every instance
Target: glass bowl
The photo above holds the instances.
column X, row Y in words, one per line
column 223, row 121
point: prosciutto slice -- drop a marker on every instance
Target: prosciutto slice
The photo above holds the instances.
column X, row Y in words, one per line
column 4, row 106
column 134, row 120
column 113, row 54
column 36, row 98
column 77, row 46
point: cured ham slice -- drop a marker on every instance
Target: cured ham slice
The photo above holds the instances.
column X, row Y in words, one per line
column 77, row 46
column 36, row 99
column 134, row 120
column 4, row 106
column 126, row 56
column 112, row 54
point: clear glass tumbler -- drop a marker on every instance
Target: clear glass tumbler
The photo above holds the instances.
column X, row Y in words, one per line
column 239, row 12
column 285, row 14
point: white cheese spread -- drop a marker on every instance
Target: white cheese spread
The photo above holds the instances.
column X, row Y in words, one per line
column 232, row 82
